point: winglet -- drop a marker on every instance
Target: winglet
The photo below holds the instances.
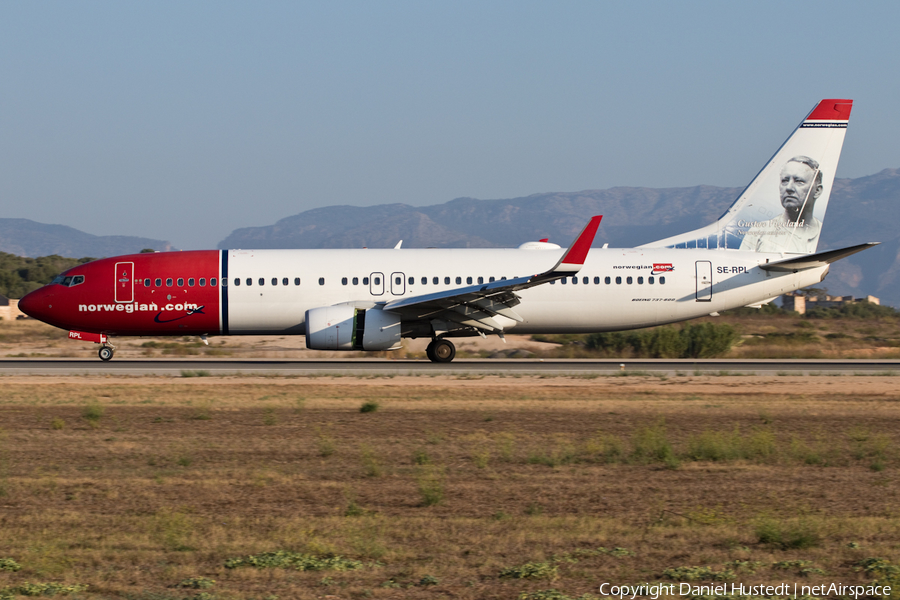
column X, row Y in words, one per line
column 574, row 257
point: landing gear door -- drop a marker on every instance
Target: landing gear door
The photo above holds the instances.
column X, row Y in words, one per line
column 376, row 284
column 125, row 282
column 704, row 280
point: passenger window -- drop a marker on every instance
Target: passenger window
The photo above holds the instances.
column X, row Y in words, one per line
column 262, row 281
column 249, row 281
column 574, row 280
column 640, row 280
column 365, row 281
column 564, row 280
column 321, row 281
column 237, row 281
column 398, row 280
column 284, row 281
column 458, row 280
column 481, row 280
column 181, row 282
column 356, row 281
column 378, row 281
column 191, row 282
column 412, row 280
column 203, row 282
column 585, row 281
column 343, row 281
column 553, row 282
column 274, row 281
column 662, row 280
column 490, row 280
column 168, row 282
column 435, row 280
column 212, row 282
column 629, row 280
column 503, row 279
column 596, row 280
column 469, row 280
column 446, row 281
column 649, row 280
column 424, row 281
column 296, row 281
column 618, row 280
column 146, row 283
column 607, row 280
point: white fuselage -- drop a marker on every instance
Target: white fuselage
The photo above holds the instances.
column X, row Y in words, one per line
column 686, row 283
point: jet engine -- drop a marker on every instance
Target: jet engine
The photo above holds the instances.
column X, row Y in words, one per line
column 345, row 327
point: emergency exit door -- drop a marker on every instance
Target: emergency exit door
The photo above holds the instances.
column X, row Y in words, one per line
column 704, row 280
column 125, row 282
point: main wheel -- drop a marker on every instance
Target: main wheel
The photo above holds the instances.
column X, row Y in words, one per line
column 106, row 353
column 429, row 351
column 443, row 352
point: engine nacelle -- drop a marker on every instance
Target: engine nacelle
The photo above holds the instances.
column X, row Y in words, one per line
column 345, row 327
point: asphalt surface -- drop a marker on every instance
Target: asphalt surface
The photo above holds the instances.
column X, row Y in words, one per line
column 68, row 366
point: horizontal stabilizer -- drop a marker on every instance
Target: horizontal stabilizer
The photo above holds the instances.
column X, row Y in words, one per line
column 820, row 259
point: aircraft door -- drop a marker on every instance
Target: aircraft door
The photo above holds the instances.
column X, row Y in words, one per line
column 704, row 280
column 376, row 284
column 398, row 284
column 125, row 282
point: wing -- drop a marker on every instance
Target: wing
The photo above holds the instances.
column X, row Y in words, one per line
column 477, row 305
column 819, row 259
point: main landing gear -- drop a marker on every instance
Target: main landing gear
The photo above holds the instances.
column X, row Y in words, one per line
column 441, row 351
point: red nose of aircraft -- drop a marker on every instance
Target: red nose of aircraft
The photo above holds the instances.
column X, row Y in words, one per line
column 36, row 304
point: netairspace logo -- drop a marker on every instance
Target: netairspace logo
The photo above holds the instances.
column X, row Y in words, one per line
column 135, row 307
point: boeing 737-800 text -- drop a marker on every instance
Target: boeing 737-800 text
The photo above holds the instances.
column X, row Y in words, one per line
column 763, row 246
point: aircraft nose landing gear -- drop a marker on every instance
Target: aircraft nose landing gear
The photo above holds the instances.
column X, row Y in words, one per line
column 107, row 350
column 441, row 351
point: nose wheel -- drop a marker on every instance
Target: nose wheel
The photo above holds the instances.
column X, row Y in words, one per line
column 441, row 351
column 106, row 353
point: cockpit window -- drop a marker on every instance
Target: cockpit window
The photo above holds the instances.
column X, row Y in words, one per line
column 68, row 280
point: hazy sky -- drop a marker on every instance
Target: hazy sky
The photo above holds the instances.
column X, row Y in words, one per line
column 186, row 120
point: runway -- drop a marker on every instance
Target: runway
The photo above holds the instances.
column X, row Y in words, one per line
column 384, row 368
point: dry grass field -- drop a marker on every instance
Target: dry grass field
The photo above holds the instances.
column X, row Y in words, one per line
column 157, row 488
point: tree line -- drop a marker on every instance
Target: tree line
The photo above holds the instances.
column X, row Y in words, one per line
column 20, row 275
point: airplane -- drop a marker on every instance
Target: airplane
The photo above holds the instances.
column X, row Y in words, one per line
column 763, row 246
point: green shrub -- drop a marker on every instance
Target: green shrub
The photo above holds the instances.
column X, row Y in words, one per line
column 57, row 424
column 41, row 589
column 698, row 574
column 294, row 560
column 531, row 571
column 702, row 340
column 368, row 407
column 197, row 583
column 798, row 534
column 430, row 481
column 651, row 444
column 92, row 413
column 8, row 564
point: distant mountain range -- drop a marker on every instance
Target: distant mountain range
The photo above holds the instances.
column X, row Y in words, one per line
column 860, row 210
column 30, row 238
